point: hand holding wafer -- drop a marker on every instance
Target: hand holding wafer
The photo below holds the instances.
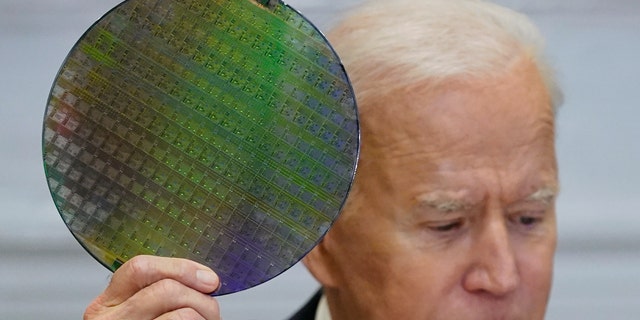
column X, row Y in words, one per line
column 148, row 287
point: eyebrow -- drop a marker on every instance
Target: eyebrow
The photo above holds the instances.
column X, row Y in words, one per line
column 545, row 195
column 442, row 203
column 447, row 204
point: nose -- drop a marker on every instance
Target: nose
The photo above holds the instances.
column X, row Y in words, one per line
column 493, row 268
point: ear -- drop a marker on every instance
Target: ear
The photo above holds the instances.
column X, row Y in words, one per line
column 325, row 260
column 320, row 263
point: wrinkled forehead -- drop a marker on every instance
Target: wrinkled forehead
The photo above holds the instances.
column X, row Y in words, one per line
column 511, row 109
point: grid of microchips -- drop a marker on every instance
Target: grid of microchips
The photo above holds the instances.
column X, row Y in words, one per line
column 223, row 131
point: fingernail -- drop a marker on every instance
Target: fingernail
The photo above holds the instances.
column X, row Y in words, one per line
column 208, row 278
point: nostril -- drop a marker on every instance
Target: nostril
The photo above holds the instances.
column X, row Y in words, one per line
column 480, row 279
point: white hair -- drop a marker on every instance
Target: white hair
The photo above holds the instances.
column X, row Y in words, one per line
column 390, row 45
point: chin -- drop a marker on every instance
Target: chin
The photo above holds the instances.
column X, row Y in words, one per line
column 490, row 312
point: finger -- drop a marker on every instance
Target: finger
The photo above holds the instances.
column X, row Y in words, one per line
column 167, row 297
column 183, row 314
column 142, row 271
column 164, row 299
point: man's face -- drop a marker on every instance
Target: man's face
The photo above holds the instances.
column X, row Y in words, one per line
column 452, row 214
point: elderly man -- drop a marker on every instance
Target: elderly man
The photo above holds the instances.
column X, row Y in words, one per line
column 452, row 213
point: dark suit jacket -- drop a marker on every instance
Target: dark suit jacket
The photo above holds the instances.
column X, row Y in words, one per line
column 308, row 311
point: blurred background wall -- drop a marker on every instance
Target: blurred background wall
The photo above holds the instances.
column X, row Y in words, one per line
column 595, row 45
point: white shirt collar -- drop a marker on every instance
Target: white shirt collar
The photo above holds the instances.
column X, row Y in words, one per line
column 322, row 312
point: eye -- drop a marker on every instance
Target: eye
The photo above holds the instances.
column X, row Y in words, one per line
column 528, row 221
column 446, row 226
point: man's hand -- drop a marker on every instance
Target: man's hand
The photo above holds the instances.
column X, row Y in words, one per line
column 148, row 287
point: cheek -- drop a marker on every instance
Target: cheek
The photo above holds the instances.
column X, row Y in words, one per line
column 536, row 270
column 420, row 284
column 377, row 266
column 359, row 249
column 428, row 277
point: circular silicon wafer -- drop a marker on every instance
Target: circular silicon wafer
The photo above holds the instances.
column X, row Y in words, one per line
column 222, row 131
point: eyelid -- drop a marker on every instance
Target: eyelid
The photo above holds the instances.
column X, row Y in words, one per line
column 445, row 226
column 527, row 221
column 529, row 213
column 541, row 200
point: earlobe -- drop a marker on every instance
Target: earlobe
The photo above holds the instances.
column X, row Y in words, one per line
column 325, row 260
column 319, row 262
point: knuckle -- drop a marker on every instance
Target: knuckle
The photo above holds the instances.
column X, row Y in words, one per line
column 138, row 266
column 183, row 268
column 96, row 311
column 161, row 295
column 93, row 310
column 168, row 288
column 185, row 314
